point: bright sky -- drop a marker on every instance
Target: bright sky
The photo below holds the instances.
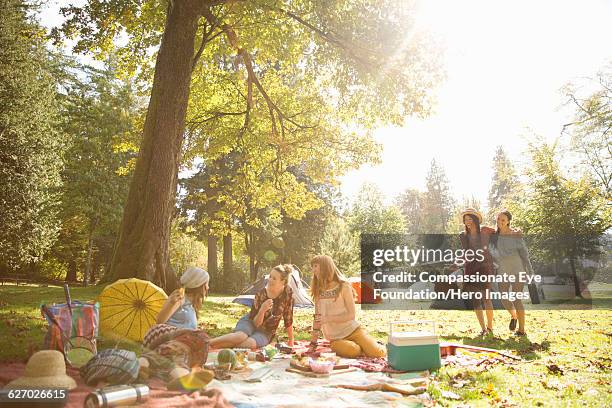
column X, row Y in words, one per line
column 505, row 63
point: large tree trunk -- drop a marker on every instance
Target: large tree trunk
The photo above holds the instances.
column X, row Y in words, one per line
column 575, row 278
column 71, row 274
column 94, row 268
column 142, row 249
column 249, row 241
column 227, row 259
column 87, row 272
column 213, row 267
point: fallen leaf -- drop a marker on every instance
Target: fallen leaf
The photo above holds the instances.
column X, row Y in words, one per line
column 554, row 369
column 460, row 383
column 450, row 395
column 553, row 384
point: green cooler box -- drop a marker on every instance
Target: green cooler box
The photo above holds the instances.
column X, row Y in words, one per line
column 413, row 346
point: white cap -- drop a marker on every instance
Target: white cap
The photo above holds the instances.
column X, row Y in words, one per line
column 194, row 277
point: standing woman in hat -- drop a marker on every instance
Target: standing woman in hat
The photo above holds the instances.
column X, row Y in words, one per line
column 174, row 346
column 511, row 255
column 477, row 239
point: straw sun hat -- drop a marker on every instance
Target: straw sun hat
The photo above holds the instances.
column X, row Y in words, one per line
column 471, row 211
column 45, row 369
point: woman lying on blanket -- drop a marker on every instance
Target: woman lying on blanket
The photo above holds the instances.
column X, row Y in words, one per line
column 335, row 312
column 174, row 345
column 256, row 329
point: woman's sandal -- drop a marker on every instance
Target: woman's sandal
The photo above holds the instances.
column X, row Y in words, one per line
column 486, row 332
column 512, row 324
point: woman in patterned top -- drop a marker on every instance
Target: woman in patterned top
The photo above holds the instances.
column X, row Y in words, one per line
column 272, row 303
column 335, row 312
column 476, row 238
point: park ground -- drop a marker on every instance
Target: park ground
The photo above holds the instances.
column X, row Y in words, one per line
column 566, row 355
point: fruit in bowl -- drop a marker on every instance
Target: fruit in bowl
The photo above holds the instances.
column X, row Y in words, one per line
column 321, row 366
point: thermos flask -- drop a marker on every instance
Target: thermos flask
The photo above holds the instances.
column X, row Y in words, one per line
column 116, row 396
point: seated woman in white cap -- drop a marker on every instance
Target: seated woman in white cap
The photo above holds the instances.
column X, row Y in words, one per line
column 182, row 306
column 175, row 345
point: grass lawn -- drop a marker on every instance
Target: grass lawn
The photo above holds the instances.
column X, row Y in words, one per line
column 567, row 354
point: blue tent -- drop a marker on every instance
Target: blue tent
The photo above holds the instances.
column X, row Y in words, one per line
column 297, row 284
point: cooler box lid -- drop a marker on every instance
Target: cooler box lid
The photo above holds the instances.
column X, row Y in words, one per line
column 412, row 333
column 413, row 338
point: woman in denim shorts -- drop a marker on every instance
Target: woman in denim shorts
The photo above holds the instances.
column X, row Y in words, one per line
column 271, row 304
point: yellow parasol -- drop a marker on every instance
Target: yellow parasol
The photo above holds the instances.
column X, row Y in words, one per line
column 129, row 307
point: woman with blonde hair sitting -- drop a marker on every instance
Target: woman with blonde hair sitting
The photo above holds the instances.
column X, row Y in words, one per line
column 335, row 312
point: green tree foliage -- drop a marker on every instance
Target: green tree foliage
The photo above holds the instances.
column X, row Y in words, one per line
column 437, row 201
column 31, row 149
column 342, row 245
column 563, row 218
column 410, row 203
column 590, row 129
column 302, row 236
column 100, row 117
column 282, row 79
column 369, row 214
column 185, row 248
column 503, row 185
column 283, row 229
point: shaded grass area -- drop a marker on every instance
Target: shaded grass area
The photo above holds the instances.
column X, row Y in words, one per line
column 567, row 354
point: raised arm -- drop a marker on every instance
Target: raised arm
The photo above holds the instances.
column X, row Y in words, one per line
column 170, row 306
column 259, row 309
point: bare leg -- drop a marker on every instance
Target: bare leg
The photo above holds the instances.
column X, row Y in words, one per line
column 504, row 287
column 520, row 308
column 489, row 310
column 228, row 340
column 480, row 317
column 248, row 343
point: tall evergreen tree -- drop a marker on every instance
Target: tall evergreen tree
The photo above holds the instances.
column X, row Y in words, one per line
column 503, row 184
column 410, row 203
column 30, row 145
column 369, row 214
column 437, row 201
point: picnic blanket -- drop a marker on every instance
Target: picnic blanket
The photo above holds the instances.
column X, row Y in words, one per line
column 158, row 396
column 374, row 365
column 287, row 389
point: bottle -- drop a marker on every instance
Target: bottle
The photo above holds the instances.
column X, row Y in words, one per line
column 116, row 396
